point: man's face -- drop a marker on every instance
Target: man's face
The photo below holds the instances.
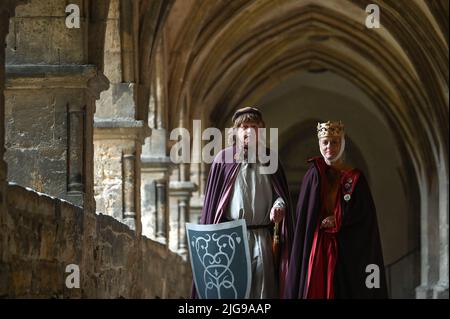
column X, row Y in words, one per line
column 330, row 147
column 248, row 132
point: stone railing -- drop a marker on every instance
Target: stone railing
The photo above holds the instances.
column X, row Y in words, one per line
column 44, row 235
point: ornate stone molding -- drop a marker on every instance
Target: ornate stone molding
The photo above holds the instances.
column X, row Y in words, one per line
column 50, row 76
column 156, row 164
column 98, row 84
column 121, row 130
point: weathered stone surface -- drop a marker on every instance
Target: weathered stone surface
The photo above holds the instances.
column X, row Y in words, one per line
column 156, row 144
column 5, row 274
column 45, row 235
column 174, row 281
column 20, row 279
column 112, row 51
column 51, row 8
column 66, row 44
column 46, row 278
column 36, row 173
column 117, row 102
column 37, row 131
column 108, row 178
column 39, row 35
column 148, row 202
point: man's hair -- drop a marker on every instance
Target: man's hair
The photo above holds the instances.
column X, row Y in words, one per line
column 243, row 118
column 248, row 117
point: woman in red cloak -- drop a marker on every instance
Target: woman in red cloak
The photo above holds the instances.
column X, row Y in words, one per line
column 336, row 251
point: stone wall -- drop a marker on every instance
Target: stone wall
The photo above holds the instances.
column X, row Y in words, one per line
column 108, row 187
column 36, row 138
column 45, row 234
column 50, row 93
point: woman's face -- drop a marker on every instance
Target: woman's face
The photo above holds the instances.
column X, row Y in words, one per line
column 330, row 147
column 248, row 132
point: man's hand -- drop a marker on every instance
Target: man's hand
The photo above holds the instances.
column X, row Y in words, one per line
column 328, row 222
column 277, row 214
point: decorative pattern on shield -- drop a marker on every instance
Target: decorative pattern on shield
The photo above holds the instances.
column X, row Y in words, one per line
column 220, row 259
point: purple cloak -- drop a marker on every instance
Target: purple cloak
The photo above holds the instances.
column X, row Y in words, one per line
column 358, row 241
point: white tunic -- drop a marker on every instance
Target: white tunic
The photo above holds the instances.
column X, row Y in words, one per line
column 252, row 199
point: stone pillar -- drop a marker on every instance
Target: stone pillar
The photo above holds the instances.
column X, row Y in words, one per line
column 48, row 110
column 117, row 146
column 119, row 130
column 181, row 189
column 440, row 290
column 161, row 216
column 156, row 165
column 434, row 234
column 50, row 94
column 181, row 193
column 198, row 170
column 183, row 218
column 156, row 168
column 155, row 213
column 6, row 11
column 129, row 186
column 429, row 225
column 75, row 148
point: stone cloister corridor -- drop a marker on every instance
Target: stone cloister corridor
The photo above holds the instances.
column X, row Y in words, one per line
column 87, row 112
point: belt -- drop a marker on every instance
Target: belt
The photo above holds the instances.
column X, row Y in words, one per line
column 259, row 226
column 251, row 226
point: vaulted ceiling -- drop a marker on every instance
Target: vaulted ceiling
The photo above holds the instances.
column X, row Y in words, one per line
column 226, row 54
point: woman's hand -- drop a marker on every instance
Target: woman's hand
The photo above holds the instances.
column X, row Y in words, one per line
column 328, row 222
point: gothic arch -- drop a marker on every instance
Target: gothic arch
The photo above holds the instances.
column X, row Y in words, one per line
column 229, row 55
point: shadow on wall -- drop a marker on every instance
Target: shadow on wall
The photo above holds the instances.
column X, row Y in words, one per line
column 406, row 271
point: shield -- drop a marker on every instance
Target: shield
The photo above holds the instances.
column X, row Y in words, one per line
column 220, row 259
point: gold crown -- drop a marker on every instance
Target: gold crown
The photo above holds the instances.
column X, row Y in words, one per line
column 330, row 129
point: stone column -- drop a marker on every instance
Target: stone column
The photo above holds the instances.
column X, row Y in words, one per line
column 75, row 149
column 198, row 173
column 156, row 165
column 50, row 94
column 49, row 108
column 155, row 213
column 440, row 290
column 4, row 26
column 181, row 193
column 161, row 216
column 117, row 148
column 128, row 187
column 5, row 13
column 429, row 225
column 7, row 10
column 119, row 130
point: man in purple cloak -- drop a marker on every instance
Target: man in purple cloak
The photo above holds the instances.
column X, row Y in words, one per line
column 237, row 188
column 336, row 252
